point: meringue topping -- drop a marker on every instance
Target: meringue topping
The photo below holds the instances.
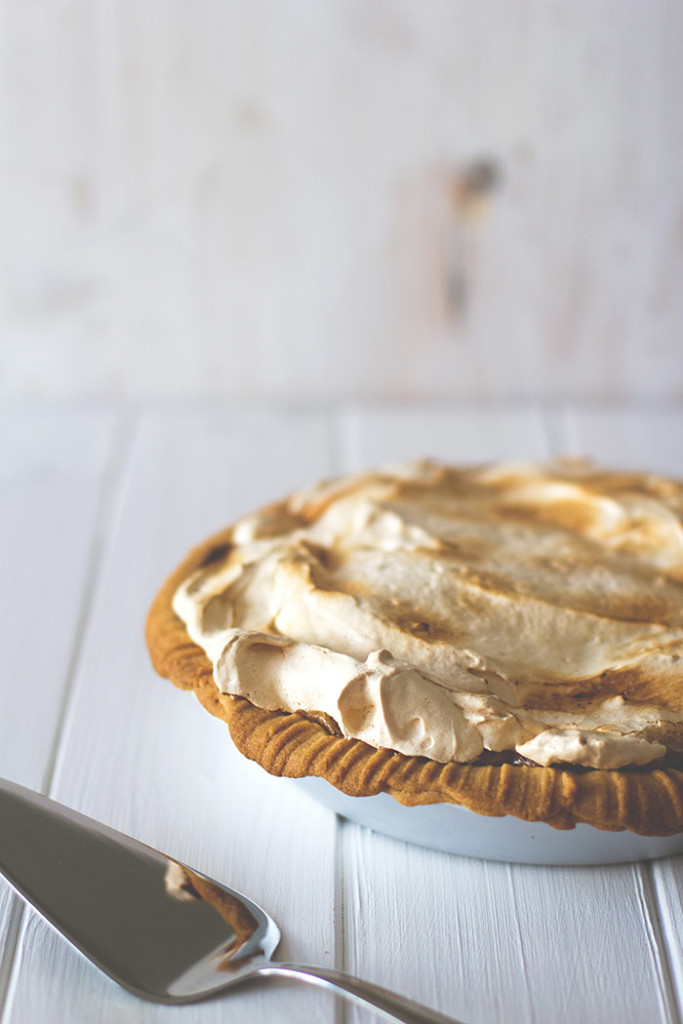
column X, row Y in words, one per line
column 443, row 612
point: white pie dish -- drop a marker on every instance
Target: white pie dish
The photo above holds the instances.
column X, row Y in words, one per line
column 453, row 829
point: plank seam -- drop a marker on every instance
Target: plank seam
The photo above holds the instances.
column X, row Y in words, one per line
column 649, row 902
column 10, row 960
column 511, row 871
column 335, row 433
column 110, row 487
column 9, row 957
column 553, row 425
column 335, row 420
column 282, row 405
column 345, row 443
column 340, row 922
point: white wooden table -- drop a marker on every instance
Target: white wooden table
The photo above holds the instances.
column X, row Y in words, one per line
column 97, row 505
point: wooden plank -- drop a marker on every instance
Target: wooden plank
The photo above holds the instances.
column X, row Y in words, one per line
column 645, row 437
column 496, row 942
column 146, row 757
column 501, row 943
column 52, row 470
column 665, row 889
column 53, row 467
column 457, row 433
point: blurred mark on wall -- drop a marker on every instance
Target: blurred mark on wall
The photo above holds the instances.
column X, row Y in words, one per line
column 471, row 191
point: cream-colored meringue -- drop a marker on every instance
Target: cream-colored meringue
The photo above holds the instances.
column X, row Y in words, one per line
column 443, row 612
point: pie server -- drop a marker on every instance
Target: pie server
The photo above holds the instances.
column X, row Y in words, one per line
column 161, row 930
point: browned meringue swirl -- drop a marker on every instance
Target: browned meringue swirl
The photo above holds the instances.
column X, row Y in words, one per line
column 445, row 612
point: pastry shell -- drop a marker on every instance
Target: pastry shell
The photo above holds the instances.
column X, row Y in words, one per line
column 647, row 801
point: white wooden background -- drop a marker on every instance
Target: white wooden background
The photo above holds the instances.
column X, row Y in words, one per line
column 269, row 198
column 97, row 504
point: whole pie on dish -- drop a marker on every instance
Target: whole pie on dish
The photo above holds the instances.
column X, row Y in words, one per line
column 507, row 637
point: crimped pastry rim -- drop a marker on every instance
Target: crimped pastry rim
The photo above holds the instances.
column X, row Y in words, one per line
column 648, row 802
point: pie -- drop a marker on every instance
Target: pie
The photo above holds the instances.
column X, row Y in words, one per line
column 507, row 637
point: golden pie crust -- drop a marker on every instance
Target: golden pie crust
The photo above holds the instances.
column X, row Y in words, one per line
column 648, row 801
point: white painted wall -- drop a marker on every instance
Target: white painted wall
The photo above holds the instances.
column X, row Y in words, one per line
column 263, row 198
